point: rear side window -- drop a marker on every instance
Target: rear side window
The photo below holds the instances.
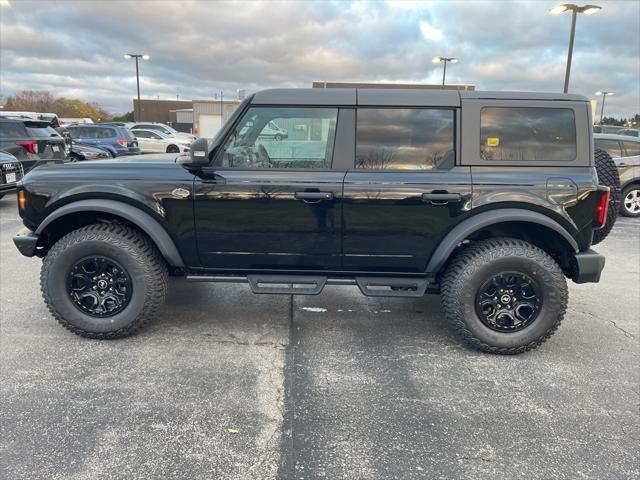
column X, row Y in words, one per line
column 128, row 134
column 527, row 134
column 404, row 138
column 41, row 132
column 612, row 147
column 11, row 129
column 105, row 132
column 632, row 148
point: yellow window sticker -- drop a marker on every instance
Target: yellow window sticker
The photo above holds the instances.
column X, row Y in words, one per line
column 493, row 142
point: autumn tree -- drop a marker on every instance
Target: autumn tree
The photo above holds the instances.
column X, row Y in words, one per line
column 43, row 102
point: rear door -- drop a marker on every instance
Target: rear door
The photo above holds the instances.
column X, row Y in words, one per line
column 268, row 205
column 406, row 190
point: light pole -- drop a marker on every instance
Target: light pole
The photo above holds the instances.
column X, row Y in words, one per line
column 575, row 10
column 445, row 60
column 604, row 95
column 137, row 56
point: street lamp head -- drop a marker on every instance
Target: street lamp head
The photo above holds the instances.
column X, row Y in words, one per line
column 605, row 93
column 145, row 57
column 591, row 9
column 586, row 9
column 126, row 55
column 454, row 60
column 558, row 9
column 436, row 59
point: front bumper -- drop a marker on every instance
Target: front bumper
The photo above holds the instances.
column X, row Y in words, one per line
column 7, row 188
column 589, row 266
column 26, row 242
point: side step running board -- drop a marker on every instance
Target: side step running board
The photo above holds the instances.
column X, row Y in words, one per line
column 288, row 284
column 314, row 284
column 392, row 287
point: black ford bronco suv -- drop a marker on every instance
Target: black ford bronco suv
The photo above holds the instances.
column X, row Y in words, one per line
column 489, row 198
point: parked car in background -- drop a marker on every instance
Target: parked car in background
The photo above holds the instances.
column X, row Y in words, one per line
column 77, row 151
column 156, row 141
column 116, row 140
column 271, row 130
column 163, row 128
column 625, row 152
column 10, row 173
column 31, row 141
column 631, row 132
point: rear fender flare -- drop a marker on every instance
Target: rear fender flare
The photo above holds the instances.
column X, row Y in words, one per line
column 136, row 216
column 473, row 224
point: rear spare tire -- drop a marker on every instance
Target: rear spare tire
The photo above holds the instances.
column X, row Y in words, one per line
column 103, row 280
column 608, row 176
column 504, row 295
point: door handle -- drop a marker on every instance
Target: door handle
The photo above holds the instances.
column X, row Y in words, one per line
column 313, row 196
column 441, row 198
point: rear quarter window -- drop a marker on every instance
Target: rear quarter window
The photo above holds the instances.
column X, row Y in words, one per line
column 527, row 134
column 126, row 133
column 41, row 132
column 106, row 133
column 10, row 129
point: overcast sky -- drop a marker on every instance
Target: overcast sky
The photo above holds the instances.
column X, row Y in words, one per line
column 75, row 48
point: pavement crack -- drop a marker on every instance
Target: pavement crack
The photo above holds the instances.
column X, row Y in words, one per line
column 628, row 334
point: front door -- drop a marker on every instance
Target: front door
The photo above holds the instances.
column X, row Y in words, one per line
column 269, row 203
column 405, row 192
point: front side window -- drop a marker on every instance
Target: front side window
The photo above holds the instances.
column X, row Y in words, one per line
column 404, row 138
column 527, row 134
column 632, row 148
column 612, row 147
column 281, row 137
column 142, row 134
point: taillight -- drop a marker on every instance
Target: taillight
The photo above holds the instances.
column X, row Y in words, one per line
column 602, row 208
column 30, row 146
column 122, row 143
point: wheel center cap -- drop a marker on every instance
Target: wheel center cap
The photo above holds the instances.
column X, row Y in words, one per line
column 505, row 299
column 102, row 284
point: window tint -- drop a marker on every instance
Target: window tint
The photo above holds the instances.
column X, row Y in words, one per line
column 82, row 133
column 142, row 134
column 41, row 132
column 612, row 147
column 527, row 134
column 404, row 138
column 127, row 133
column 302, row 138
column 11, row 129
column 105, row 132
column 632, row 148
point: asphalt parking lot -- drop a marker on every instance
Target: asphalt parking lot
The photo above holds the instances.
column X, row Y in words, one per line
column 230, row 385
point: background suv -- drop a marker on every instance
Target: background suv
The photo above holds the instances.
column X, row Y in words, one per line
column 625, row 151
column 10, row 173
column 31, row 141
column 116, row 140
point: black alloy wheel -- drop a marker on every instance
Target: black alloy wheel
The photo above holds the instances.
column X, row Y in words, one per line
column 99, row 286
column 508, row 301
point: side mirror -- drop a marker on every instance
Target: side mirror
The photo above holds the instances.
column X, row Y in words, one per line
column 198, row 155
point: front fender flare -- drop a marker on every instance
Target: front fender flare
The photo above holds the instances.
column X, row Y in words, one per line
column 467, row 227
column 142, row 220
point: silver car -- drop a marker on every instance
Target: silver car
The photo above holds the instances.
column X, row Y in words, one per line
column 625, row 151
column 153, row 141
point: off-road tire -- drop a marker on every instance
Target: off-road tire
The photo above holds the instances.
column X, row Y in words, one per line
column 473, row 265
column 623, row 209
column 131, row 249
column 608, row 176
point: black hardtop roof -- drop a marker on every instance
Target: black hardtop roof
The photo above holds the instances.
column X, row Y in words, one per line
column 396, row 97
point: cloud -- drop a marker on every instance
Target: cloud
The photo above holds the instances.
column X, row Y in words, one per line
column 199, row 48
